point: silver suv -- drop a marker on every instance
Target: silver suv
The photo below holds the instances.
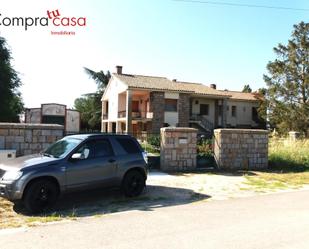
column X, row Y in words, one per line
column 74, row 163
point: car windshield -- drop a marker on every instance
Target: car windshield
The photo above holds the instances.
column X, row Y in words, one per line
column 62, row 147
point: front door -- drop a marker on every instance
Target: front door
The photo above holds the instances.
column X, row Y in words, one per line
column 97, row 165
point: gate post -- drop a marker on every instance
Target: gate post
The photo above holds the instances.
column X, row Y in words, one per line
column 178, row 148
column 245, row 149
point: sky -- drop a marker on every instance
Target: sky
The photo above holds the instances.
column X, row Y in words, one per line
column 189, row 41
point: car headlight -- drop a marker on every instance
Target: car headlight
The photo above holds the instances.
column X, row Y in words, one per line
column 11, row 175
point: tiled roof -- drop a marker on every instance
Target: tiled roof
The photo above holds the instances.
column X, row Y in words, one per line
column 241, row 96
column 162, row 83
column 201, row 89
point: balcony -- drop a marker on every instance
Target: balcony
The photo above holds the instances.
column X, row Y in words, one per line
column 105, row 116
column 122, row 114
column 136, row 115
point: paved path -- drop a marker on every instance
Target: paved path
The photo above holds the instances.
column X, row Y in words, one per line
column 268, row 222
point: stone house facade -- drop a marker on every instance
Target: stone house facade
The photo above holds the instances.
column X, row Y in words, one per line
column 138, row 104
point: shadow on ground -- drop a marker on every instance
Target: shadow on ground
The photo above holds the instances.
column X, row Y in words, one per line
column 102, row 201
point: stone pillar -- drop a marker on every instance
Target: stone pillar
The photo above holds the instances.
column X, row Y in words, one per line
column 178, row 148
column 241, row 149
column 183, row 110
column 224, row 112
column 129, row 112
column 157, row 108
column 294, row 135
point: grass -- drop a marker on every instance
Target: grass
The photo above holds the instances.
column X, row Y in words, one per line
column 264, row 181
column 9, row 218
column 288, row 156
column 288, row 166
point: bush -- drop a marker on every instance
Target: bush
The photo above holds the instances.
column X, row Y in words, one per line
column 205, row 148
column 154, row 140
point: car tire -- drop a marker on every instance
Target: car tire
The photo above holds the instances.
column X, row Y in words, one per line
column 40, row 195
column 133, row 183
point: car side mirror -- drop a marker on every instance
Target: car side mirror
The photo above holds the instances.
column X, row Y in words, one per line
column 77, row 156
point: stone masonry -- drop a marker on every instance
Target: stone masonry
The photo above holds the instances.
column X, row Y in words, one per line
column 157, row 108
column 183, row 110
column 241, row 149
column 28, row 138
column 178, row 148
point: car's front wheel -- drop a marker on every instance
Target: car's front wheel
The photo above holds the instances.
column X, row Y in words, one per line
column 41, row 194
column 133, row 183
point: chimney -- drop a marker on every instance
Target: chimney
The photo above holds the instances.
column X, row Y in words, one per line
column 174, row 80
column 213, row 86
column 119, row 69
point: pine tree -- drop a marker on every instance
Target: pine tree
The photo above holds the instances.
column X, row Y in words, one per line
column 247, row 89
column 288, row 83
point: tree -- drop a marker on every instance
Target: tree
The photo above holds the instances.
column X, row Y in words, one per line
column 247, row 89
column 288, row 83
column 89, row 105
column 11, row 104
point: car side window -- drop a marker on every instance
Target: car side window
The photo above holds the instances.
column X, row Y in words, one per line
column 103, row 148
column 128, row 145
column 86, row 150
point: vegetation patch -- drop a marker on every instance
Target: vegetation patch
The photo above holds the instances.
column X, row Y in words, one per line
column 289, row 156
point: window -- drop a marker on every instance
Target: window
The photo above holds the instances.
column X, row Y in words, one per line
column 233, row 111
column 255, row 116
column 220, row 110
column 86, row 150
column 204, row 109
column 46, row 119
column 103, row 148
column 171, row 105
column 128, row 145
column 62, row 147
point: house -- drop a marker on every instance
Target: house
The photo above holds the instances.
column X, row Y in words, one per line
column 53, row 113
column 143, row 104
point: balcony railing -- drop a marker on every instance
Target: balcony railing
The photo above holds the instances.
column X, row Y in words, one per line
column 122, row 114
column 148, row 115
column 105, row 116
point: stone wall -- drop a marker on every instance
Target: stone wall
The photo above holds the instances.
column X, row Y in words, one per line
column 157, row 108
column 183, row 110
column 28, row 138
column 178, row 148
column 241, row 149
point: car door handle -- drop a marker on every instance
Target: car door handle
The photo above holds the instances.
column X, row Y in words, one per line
column 111, row 160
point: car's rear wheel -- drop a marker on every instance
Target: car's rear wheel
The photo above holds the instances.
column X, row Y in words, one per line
column 133, row 183
column 40, row 195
